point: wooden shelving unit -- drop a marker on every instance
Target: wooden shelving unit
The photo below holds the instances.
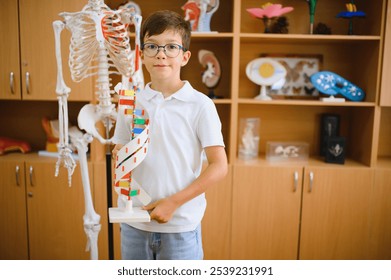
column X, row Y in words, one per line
column 363, row 58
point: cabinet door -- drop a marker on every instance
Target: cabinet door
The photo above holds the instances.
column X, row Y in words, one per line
column 380, row 230
column 216, row 224
column 13, row 220
column 38, row 62
column 55, row 213
column 266, row 212
column 9, row 50
column 335, row 215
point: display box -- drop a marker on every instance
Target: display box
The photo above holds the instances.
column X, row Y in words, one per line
column 287, row 151
column 249, row 138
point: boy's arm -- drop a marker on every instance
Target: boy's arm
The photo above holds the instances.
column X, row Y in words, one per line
column 163, row 209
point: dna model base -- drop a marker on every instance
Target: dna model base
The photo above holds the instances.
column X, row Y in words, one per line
column 119, row 215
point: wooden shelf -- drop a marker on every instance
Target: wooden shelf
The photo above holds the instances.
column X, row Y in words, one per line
column 211, row 35
column 222, row 101
column 384, row 162
column 306, row 38
column 358, row 58
column 297, row 102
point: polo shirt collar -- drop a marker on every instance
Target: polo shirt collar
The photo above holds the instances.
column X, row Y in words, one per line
column 184, row 94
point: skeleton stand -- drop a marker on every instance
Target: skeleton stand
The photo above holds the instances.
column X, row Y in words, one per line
column 99, row 42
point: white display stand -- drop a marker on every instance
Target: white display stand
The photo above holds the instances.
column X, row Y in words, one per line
column 119, row 215
column 332, row 99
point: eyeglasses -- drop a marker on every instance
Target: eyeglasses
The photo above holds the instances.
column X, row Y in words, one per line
column 170, row 50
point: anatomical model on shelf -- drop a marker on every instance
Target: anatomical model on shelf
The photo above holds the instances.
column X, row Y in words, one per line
column 249, row 140
column 99, row 46
column 312, row 9
column 268, row 13
column 332, row 84
column 265, row 72
column 212, row 71
column 199, row 13
column 289, row 151
column 351, row 13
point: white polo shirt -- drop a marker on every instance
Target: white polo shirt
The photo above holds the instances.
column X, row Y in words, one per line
column 181, row 126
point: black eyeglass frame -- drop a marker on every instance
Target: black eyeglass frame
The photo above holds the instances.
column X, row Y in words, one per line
column 164, row 48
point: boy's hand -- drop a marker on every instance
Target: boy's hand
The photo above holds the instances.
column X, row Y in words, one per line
column 161, row 210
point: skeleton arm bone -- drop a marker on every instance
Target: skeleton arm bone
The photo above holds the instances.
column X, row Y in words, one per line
column 65, row 154
column 61, row 87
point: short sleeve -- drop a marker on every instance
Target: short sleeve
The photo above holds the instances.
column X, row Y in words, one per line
column 209, row 126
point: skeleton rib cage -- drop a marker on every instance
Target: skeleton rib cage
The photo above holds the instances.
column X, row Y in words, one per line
column 87, row 39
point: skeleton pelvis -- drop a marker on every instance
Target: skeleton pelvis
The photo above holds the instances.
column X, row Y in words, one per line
column 89, row 115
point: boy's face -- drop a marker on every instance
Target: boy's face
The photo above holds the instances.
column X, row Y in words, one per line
column 161, row 67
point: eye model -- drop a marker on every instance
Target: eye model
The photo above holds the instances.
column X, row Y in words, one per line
column 265, row 72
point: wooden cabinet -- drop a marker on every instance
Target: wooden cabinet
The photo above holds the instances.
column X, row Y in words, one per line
column 266, row 212
column 363, row 58
column 55, row 213
column 9, row 50
column 301, row 212
column 30, row 70
column 13, row 214
column 298, row 119
column 216, row 224
column 335, row 213
column 380, row 227
column 45, row 218
column 381, row 199
column 385, row 95
column 335, row 217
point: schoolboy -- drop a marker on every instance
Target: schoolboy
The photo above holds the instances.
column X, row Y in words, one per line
column 183, row 124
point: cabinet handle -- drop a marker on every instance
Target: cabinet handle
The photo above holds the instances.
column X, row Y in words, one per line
column 31, row 171
column 17, row 169
column 12, row 83
column 28, row 82
column 295, row 180
column 311, row 181
column 30, row 194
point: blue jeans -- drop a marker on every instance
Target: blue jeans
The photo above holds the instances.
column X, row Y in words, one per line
column 143, row 245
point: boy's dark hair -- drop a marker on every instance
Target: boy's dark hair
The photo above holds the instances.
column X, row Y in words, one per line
column 161, row 21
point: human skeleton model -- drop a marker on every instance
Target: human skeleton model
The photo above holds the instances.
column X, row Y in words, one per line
column 199, row 13
column 99, row 44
